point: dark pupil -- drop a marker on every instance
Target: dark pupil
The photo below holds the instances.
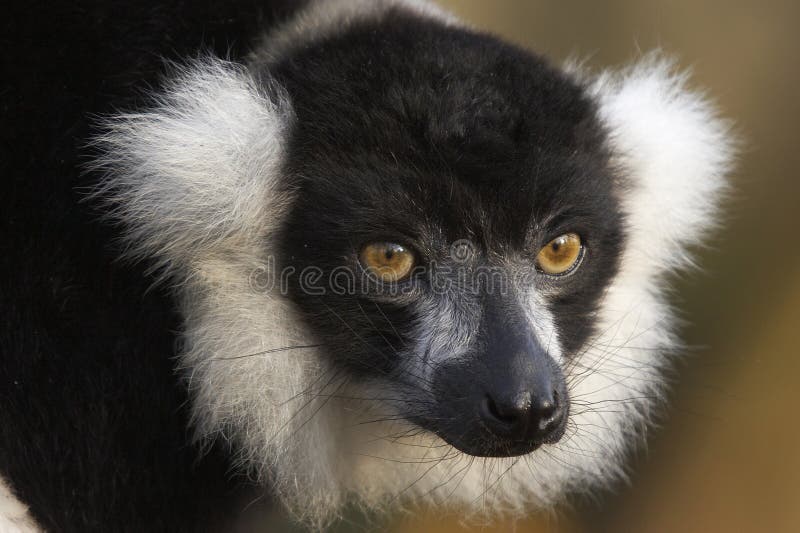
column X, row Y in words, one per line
column 389, row 253
column 556, row 245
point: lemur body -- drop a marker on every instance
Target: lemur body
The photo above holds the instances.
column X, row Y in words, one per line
column 275, row 198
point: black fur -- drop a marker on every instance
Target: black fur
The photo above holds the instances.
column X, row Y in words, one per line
column 93, row 422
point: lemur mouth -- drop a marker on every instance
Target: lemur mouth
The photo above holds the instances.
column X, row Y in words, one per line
column 496, row 449
column 490, row 446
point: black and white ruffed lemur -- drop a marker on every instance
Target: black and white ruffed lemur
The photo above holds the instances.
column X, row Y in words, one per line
column 327, row 252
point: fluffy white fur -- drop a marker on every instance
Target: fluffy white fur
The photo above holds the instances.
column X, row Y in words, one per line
column 194, row 182
column 676, row 149
column 190, row 176
column 14, row 516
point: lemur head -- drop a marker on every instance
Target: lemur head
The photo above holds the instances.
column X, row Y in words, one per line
column 476, row 182
column 414, row 260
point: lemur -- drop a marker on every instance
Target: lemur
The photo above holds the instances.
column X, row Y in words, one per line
column 329, row 252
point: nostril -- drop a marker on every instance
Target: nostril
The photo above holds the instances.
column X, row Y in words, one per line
column 500, row 413
column 547, row 409
column 550, row 414
column 491, row 409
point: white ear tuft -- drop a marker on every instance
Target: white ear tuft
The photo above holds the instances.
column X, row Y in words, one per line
column 676, row 152
column 192, row 175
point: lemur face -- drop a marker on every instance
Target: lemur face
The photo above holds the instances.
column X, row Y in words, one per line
column 457, row 200
column 414, row 261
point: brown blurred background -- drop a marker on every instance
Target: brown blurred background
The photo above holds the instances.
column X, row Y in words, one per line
column 727, row 456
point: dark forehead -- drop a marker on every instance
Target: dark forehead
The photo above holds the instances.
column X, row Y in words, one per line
column 408, row 118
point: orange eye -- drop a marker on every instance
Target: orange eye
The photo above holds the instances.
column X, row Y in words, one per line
column 560, row 255
column 388, row 261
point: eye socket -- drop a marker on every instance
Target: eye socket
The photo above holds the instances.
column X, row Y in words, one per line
column 388, row 261
column 561, row 255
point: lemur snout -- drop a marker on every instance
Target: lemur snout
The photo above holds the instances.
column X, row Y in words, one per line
column 508, row 396
column 502, row 407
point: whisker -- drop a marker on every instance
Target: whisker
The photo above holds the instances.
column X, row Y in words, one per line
column 263, row 352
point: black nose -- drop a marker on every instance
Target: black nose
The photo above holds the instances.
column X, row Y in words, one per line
column 525, row 417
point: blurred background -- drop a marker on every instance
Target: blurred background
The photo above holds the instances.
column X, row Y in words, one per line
column 727, row 455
